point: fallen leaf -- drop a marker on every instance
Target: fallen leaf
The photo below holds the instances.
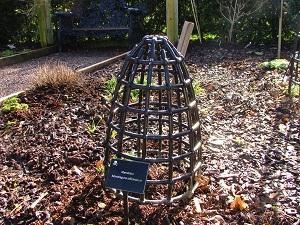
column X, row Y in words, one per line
column 100, row 166
column 77, row 170
column 238, row 203
column 197, row 205
column 251, row 113
column 101, row 205
column 202, row 181
column 285, row 119
column 282, row 128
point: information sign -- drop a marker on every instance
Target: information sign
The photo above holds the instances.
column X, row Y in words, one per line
column 127, row 175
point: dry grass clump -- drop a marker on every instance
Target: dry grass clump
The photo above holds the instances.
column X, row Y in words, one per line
column 55, row 75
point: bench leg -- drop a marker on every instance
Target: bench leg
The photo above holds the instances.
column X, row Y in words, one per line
column 135, row 30
column 59, row 37
column 131, row 38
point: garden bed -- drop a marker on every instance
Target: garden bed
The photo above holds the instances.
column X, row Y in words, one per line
column 251, row 149
column 17, row 77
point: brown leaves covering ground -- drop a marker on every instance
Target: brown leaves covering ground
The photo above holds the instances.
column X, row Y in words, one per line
column 251, row 149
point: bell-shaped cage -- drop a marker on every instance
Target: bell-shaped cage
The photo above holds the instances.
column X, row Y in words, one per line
column 154, row 118
column 294, row 68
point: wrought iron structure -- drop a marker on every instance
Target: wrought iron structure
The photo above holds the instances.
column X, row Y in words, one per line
column 154, row 118
column 294, row 67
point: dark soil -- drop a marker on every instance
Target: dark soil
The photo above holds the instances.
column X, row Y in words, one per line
column 251, row 148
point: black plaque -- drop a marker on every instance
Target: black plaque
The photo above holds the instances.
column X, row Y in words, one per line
column 127, row 175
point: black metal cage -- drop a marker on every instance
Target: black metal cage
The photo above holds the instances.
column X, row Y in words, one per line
column 154, row 118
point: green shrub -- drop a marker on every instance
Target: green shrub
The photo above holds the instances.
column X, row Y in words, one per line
column 264, row 65
column 6, row 53
column 281, row 64
column 13, row 104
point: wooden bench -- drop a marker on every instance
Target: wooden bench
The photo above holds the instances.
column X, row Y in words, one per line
column 103, row 18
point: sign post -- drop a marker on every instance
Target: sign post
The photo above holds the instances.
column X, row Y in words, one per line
column 126, row 208
column 127, row 176
column 185, row 36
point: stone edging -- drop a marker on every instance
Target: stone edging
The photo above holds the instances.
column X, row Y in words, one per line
column 11, row 95
column 102, row 64
column 21, row 57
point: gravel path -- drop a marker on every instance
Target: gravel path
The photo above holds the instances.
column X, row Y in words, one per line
column 17, row 77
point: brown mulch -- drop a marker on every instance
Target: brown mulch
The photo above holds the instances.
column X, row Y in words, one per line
column 251, row 148
column 17, row 77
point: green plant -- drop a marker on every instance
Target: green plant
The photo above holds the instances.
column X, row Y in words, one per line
column 204, row 111
column 198, row 89
column 134, row 95
column 10, row 123
column 13, row 104
column 280, row 64
column 100, row 168
column 15, row 183
column 93, row 127
column 7, row 52
column 208, row 36
column 239, row 141
column 295, row 90
column 110, row 86
column 113, row 134
column 132, row 153
column 138, row 80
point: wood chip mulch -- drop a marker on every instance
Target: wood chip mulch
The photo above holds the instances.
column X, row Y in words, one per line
column 251, row 150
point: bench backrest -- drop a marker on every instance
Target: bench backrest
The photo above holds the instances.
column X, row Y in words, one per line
column 105, row 13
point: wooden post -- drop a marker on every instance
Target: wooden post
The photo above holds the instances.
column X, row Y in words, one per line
column 43, row 12
column 185, row 37
column 172, row 20
column 280, row 30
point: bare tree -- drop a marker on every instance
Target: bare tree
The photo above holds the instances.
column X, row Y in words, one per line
column 234, row 10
